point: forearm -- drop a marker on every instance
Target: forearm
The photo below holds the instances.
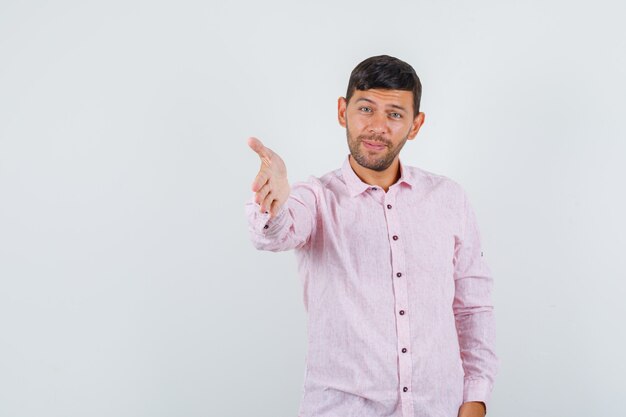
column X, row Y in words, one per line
column 476, row 333
column 289, row 229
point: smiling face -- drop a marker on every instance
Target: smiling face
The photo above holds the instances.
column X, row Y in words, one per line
column 378, row 123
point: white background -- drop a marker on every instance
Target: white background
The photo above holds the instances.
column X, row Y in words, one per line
column 128, row 284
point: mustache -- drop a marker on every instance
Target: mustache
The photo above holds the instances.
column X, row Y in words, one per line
column 373, row 138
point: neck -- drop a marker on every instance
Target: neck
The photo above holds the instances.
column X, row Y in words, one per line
column 383, row 179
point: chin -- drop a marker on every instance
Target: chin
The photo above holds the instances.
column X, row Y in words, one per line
column 374, row 165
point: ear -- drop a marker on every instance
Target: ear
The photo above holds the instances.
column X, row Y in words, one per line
column 418, row 121
column 342, row 104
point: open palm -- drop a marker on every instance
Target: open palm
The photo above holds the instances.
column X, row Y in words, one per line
column 270, row 185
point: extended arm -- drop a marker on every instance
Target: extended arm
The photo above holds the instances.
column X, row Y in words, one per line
column 280, row 217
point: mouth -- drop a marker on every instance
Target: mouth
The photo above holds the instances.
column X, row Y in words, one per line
column 377, row 146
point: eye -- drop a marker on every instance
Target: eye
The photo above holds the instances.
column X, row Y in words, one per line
column 396, row 115
column 365, row 109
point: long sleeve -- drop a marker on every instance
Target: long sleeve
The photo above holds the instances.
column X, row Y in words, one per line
column 473, row 311
column 294, row 223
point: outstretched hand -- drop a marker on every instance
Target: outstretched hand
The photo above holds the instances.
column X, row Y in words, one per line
column 270, row 185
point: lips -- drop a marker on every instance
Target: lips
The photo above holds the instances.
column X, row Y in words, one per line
column 374, row 145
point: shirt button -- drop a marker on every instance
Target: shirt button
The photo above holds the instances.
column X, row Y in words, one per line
column 402, row 312
column 403, row 350
column 266, row 226
column 405, row 389
column 395, row 237
column 399, row 274
column 388, row 206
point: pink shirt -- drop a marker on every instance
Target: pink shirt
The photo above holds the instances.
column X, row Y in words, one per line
column 397, row 293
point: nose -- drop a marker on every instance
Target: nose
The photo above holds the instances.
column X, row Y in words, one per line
column 378, row 123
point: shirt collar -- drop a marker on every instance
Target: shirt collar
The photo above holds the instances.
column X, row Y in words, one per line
column 356, row 186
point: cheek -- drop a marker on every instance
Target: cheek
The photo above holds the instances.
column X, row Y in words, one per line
column 399, row 130
column 355, row 128
column 358, row 118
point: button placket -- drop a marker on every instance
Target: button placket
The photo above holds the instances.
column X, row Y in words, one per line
column 405, row 366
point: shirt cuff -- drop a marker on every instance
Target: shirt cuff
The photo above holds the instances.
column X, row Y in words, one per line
column 477, row 390
column 262, row 224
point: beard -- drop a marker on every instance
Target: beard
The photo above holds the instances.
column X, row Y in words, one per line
column 379, row 162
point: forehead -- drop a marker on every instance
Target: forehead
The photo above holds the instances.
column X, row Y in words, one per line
column 383, row 97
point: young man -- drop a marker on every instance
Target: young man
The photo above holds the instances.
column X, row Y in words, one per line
column 397, row 293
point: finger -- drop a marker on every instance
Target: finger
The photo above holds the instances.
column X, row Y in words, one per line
column 257, row 146
column 274, row 208
column 260, row 180
column 267, row 201
column 262, row 193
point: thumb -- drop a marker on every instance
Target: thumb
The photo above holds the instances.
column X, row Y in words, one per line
column 257, row 146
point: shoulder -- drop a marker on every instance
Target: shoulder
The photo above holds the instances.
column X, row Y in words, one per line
column 434, row 180
column 319, row 183
column 313, row 188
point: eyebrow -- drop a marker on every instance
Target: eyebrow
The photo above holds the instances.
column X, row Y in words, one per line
column 395, row 106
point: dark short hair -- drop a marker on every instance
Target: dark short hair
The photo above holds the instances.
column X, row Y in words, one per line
column 386, row 72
